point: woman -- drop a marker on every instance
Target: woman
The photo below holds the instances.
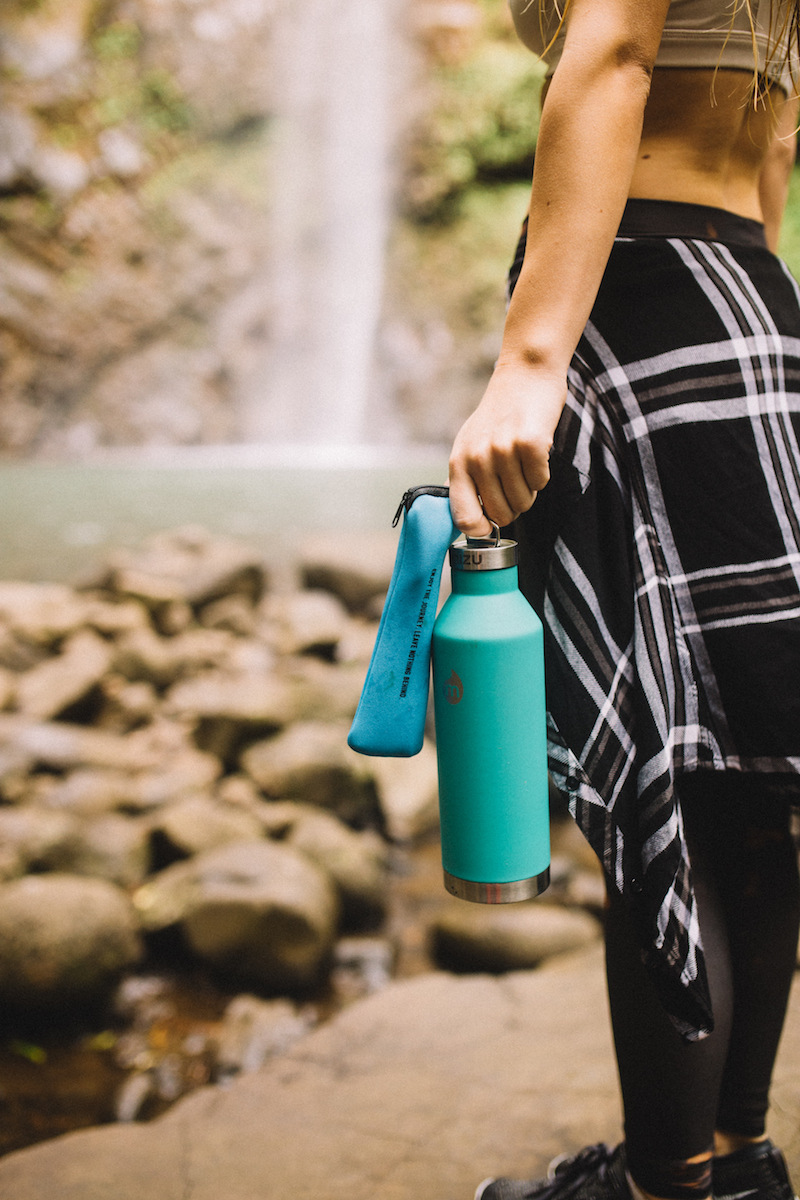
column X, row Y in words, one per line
column 650, row 377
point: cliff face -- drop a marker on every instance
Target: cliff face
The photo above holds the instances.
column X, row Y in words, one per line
column 137, row 191
column 133, row 179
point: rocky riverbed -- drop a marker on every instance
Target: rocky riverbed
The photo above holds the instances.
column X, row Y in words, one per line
column 195, row 868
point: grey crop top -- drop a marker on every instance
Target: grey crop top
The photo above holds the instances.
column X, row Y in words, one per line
column 697, row 33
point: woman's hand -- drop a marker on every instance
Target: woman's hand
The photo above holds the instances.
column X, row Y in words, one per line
column 500, row 458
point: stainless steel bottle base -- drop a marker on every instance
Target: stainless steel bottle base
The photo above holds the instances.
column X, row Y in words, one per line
column 497, row 893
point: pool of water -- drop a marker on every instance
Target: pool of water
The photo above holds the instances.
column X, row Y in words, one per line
column 60, row 519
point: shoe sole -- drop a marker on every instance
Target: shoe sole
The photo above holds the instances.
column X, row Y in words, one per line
column 481, row 1188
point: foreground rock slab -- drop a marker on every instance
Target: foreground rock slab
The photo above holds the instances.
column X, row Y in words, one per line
column 416, row 1093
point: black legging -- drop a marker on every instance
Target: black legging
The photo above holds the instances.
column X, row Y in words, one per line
column 676, row 1093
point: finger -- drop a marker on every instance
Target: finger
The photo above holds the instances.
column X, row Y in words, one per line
column 495, row 502
column 465, row 504
column 518, row 494
column 535, row 466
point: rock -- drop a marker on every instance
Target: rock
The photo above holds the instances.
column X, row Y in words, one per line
column 165, row 899
column 325, row 692
column 15, row 763
column 217, row 53
column 188, row 564
column 112, row 847
column 40, row 612
column 313, row 762
column 8, row 685
column 12, row 863
column 128, row 705
column 408, row 792
column 62, row 172
column 61, row 745
column 587, row 889
column 40, row 838
column 39, row 44
column 63, row 940
column 358, row 642
column 113, row 617
column 234, row 613
column 17, row 142
column 143, row 655
column 509, row 937
column 16, row 653
column 355, row 861
column 309, row 621
column 256, row 909
column 357, row 570
column 47, row 689
column 122, row 154
column 387, row 1101
column 174, row 616
column 567, row 840
column 187, row 771
column 255, row 1030
column 241, row 792
column 196, row 824
column 231, row 705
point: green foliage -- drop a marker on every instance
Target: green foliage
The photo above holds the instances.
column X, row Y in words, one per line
column 33, row 1053
column 124, row 90
column 481, row 127
column 120, row 40
column 163, row 106
column 790, row 231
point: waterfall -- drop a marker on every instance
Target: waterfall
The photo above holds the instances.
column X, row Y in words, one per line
column 329, row 167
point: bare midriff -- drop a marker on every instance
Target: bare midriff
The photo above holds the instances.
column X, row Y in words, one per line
column 704, row 140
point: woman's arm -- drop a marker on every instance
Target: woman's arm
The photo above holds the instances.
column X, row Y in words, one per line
column 588, row 138
column 773, row 184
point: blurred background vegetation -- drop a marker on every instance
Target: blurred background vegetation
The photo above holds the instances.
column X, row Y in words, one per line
column 137, row 182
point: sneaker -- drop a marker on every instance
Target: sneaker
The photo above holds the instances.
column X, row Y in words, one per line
column 756, row 1172
column 596, row 1173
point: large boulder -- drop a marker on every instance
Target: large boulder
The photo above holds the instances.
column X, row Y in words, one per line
column 325, row 692
column 301, row 622
column 258, row 910
column 63, row 940
column 143, row 655
column 53, row 685
column 112, row 847
column 509, row 937
column 63, row 746
column 356, row 569
column 408, row 792
column 228, row 706
column 187, row 564
column 37, row 838
column 41, row 612
column 311, row 761
column 194, row 824
column 355, row 861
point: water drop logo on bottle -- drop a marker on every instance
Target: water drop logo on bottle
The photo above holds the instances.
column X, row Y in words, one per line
column 488, row 679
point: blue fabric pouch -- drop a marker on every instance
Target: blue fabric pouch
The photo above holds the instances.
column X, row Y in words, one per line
column 390, row 718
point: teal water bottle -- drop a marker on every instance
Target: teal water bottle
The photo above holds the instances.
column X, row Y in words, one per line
column 488, row 679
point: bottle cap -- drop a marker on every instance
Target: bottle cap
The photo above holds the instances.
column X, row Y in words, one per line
column 484, row 554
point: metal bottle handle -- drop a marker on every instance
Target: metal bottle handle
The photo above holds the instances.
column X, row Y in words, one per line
column 486, row 541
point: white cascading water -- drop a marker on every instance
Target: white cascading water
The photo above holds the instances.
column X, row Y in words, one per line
column 329, row 166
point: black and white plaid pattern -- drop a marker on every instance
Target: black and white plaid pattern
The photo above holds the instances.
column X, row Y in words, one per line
column 664, row 558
